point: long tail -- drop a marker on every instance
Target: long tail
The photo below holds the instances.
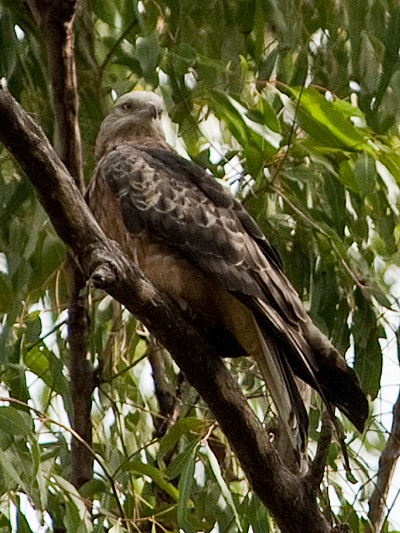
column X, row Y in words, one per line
column 305, row 351
column 337, row 380
column 280, row 381
column 278, row 376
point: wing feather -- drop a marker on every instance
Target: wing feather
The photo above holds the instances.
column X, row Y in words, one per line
column 219, row 245
column 184, row 207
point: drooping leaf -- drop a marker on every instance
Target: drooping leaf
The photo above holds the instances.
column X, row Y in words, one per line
column 185, row 486
column 221, row 482
column 367, row 350
column 22, row 523
column 322, row 120
column 182, row 427
column 156, row 475
column 365, row 174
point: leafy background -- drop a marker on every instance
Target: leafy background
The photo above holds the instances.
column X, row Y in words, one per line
column 295, row 106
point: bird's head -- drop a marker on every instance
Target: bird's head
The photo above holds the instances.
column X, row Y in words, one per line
column 135, row 116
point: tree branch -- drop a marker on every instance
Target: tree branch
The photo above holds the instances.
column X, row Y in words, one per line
column 55, row 18
column 387, row 464
column 317, row 469
column 167, row 402
column 290, row 498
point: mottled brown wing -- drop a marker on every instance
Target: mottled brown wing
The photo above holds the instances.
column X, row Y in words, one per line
column 180, row 205
column 298, row 343
column 184, row 207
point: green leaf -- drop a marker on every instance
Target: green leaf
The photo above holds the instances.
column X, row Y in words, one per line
column 324, row 121
column 221, row 482
column 92, row 488
column 181, row 427
column 118, row 528
column 15, row 422
column 391, row 161
column 336, row 199
column 357, row 12
column 346, row 175
column 156, row 475
column 245, row 15
column 148, row 51
column 384, row 219
column 267, row 65
column 365, row 174
column 33, row 327
column 248, row 133
column 48, row 367
column 184, row 58
column 12, row 478
column 380, row 296
column 254, row 514
column 6, row 293
column 269, row 116
column 367, row 350
column 178, row 463
column 185, row 487
column 22, row 523
column 77, row 517
column 368, row 365
column 369, row 63
column 351, row 478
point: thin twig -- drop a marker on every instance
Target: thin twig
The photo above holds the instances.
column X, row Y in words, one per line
column 41, row 339
column 46, row 419
column 128, row 29
column 125, row 370
column 291, row 133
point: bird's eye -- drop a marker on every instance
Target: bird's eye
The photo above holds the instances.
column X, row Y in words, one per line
column 127, row 106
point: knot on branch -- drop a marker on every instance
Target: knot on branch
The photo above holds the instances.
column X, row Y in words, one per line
column 103, row 276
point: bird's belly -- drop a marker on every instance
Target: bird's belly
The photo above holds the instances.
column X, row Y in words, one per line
column 176, row 276
column 188, row 286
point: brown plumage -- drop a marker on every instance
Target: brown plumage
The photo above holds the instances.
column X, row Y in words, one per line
column 194, row 241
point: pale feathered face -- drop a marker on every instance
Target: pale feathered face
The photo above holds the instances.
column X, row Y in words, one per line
column 137, row 107
column 135, row 115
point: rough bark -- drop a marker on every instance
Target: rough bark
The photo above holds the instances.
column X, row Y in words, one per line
column 55, row 19
column 290, row 498
column 167, row 402
column 82, row 378
column 387, row 464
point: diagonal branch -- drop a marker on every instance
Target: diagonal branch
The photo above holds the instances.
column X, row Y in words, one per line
column 290, row 498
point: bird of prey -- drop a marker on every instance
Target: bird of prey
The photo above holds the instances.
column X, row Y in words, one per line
column 197, row 244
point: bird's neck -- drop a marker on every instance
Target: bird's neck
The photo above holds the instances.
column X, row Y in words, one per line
column 139, row 134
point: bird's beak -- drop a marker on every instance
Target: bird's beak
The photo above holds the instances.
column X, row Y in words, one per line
column 153, row 111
